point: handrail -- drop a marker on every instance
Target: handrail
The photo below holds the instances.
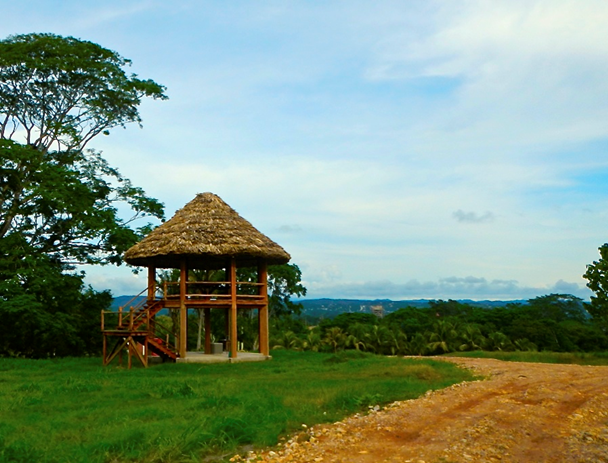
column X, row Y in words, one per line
column 214, row 296
column 159, row 329
column 211, row 283
column 222, row 286
column 133, row 317
column 142, row 313
column 135, row 297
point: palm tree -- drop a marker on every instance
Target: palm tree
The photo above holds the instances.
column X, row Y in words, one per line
column 418, row 345
column 335, row 338
column 357, row 334
column 471, row 338
column 286, row 340
column 378, row 339
column 312, row 342
column 353, row 341
column 525, row 345
column 398, row 342
column 443, row 337
column 498, row 341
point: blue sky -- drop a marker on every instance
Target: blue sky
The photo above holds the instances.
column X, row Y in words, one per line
column 396, row 149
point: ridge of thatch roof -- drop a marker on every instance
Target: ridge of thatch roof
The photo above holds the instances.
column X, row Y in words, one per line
column 206, row 232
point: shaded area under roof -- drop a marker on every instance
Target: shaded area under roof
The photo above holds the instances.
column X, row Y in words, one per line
column 206, row 232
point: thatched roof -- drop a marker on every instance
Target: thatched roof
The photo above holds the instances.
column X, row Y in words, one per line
column 206, row 232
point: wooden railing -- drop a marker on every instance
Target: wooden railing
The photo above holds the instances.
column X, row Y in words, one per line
column 214, row 290
column 136, row 317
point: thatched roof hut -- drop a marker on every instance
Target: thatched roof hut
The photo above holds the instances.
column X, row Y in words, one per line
column 205, row 233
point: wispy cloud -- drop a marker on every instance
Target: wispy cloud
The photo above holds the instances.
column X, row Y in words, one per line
column 473, row 217
column 107, row 13
column 290, row 229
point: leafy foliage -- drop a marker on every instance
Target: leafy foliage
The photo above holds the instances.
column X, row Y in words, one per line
column 284, row 283
column 62, row 91
column 59, row 201
column 597, row 277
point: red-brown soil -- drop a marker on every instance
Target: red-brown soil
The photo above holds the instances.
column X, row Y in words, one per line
column 519, row 412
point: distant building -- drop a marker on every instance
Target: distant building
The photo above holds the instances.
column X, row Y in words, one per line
column 378, row 311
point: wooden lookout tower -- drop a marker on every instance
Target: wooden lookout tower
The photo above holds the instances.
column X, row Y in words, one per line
column 206, row 234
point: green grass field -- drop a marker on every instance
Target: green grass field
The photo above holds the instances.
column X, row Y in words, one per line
column 579, row 358
column 74, row 410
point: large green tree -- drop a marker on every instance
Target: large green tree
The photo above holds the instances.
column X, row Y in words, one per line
column 597, row 278
column 59, row 200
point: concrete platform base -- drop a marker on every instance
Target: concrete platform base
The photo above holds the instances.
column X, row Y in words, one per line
column 199, row 357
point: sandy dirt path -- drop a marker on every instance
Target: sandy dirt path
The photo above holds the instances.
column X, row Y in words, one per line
column 520, row 412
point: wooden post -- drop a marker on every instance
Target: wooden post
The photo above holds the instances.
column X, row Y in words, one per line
column 263, row 310
column 151, row 297
column 207, row 312
column 183, row 312
column 146, row 345
column 233, row 312
column 151, row 283
column 105, row 349
column 227, row 325
column 129, row 352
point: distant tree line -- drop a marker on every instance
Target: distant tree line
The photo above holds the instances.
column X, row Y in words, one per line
column 556, row 322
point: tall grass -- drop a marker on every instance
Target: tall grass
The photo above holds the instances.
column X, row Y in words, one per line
column 74, row 410
column 579, row 358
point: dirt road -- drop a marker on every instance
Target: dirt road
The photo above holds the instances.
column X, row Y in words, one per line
column 521, row 412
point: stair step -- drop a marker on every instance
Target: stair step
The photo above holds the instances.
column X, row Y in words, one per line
column 159, row 348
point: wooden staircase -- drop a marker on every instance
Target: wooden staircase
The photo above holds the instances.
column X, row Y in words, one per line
column 137, row 332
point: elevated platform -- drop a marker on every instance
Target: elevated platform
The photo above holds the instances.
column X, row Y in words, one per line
column 133, row 327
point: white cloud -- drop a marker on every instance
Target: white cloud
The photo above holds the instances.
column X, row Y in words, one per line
column 121, row 281
column 529, row 72
column 446, row 288
column 350, row 133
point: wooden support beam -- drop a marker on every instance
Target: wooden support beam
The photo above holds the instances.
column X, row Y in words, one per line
column 183, row 312
column 151, row 283
column 263, row 337
column 207, row 313
column 134, row 349
column 146, row 351
column 116, row 350
column 129, row 352
column 227, row 325
column 233, row 312
column 105, row 349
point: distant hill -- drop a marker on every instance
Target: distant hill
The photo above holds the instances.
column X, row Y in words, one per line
column 329, row 308
column 122, row 300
